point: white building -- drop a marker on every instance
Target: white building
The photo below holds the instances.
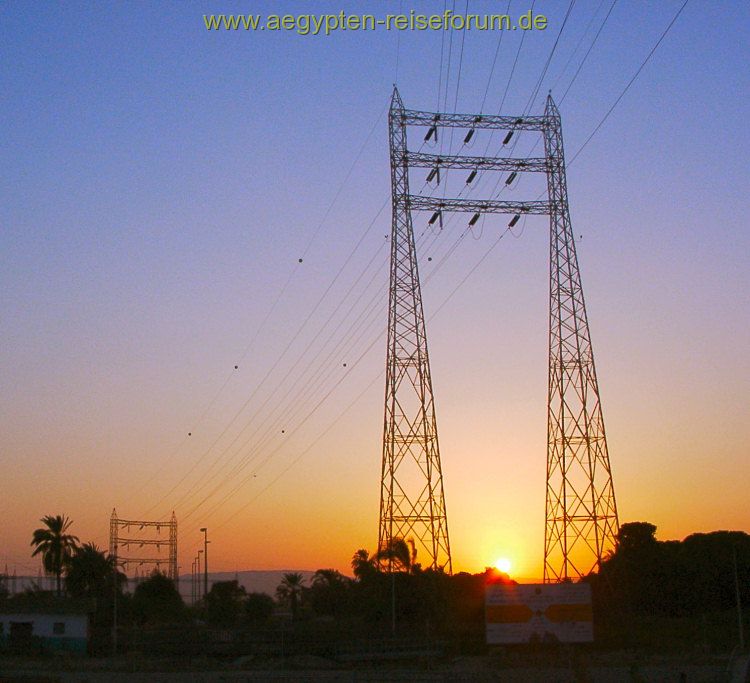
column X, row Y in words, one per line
column 43, row 629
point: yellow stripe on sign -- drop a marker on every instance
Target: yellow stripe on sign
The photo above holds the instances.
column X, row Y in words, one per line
column 508, row 614
column 559, row 613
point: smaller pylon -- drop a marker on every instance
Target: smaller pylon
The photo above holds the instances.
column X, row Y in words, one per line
column 146, row 534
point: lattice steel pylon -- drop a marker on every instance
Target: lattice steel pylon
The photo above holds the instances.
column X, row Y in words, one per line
column 118, row 543
column 581, row 513
column 412, row 501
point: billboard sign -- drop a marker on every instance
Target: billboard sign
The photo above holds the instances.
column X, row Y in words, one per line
column 522, row 613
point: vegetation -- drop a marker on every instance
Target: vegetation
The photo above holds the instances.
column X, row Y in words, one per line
column 225, row 603
column 289, row 591
column 55, row 545
column 648, row 593
column 674, row 578
column 157, row 601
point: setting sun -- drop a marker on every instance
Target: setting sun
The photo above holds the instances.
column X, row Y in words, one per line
column 503, row 564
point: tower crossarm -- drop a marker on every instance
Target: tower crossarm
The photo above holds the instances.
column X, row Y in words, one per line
column 141, row 523
column 422, row 203
column 420, row 159
column 430, row 118
column 140, row 541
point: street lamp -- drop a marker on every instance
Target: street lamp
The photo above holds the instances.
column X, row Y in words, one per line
column 198, row 572
column 205, row 562
column 192, row 583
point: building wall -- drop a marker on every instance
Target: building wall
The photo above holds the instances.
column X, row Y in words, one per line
column 73, row 635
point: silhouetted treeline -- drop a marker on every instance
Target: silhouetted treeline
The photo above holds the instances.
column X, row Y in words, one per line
column 647, row 593
column 674, row 578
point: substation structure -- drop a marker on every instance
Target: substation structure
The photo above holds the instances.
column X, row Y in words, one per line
column 129, row 535
column 581, row 512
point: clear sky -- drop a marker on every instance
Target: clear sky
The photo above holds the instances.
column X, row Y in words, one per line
column 159, row 184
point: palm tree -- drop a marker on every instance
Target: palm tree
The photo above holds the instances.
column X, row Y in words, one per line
column 328, row 577
column 56, row 546
column 363, row 565
column 290, row 589
column 90, row 572
column 329, row 593
column 396, row 555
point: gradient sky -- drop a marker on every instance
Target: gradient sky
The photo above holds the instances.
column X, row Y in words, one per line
column 158, row 184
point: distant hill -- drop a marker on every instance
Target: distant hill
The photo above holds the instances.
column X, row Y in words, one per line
column 252, row 581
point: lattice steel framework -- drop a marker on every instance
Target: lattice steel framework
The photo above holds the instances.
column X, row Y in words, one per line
column 581, row 513
column 412, row 502
column 118, row 543
column 581, row 510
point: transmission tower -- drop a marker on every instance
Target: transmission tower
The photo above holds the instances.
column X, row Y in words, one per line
column 140, row 533
column 581, row 510
column 412, row 503
column 581, row 514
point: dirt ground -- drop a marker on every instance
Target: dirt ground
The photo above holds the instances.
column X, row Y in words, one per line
column 615, row 668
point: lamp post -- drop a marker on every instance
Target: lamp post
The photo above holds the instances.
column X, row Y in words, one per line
column 198, row 573
column 114, row 606
column 192, row 582
column 739, row 602
column 205, row 562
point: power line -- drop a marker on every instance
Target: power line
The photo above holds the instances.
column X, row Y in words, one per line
column 535, row 92
column 578, row 44
column 630, row 82
column 494, row 62
column 591, row 47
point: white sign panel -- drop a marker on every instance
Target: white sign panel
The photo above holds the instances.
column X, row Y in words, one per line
column 525, row 612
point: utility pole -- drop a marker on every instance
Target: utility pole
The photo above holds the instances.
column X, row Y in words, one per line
column 740, row 625
column 205, row 561
column 114, row 604
column 198, row 573
column 192, row 582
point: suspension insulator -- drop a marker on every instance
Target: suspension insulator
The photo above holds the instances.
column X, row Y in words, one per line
column 511, row 178
column 432, row 174
column 434, row 217
column 430, row 133
column 471, row 177
column 469, row 135
column 514, row 220
column 508, row 137
column 474, row 219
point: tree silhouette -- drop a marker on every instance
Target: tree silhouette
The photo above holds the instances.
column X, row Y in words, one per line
column 636, row 536
column 363, row 565
column 224, row 602
column 329, row 593
column 91, row 573
column 397, row 554
column 258, row 608
column 290, row 591
column 156, row 600
column 55, row 545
